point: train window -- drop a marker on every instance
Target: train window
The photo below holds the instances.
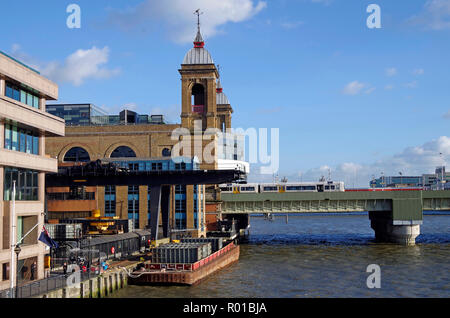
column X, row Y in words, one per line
column 247, row 188
column 332, row 187
column 327, row 187
column 270, row 188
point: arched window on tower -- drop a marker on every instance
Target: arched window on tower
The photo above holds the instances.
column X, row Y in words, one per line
column 198, row 99
column 77, row 154
column 123, row 152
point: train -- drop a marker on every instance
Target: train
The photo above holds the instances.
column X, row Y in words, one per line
column 320, row 186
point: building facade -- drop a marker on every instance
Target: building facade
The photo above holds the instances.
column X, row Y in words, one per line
column 147, row 143
column 436, row 181
column 24, row 126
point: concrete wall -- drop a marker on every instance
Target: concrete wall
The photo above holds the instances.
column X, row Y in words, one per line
column 96, row 287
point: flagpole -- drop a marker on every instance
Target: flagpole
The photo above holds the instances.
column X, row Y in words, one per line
column 12, row 239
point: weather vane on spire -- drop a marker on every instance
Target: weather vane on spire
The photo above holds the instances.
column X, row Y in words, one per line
column 198, row 13
column 198, row 42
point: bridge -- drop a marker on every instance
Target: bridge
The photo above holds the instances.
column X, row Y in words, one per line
column 395, row 216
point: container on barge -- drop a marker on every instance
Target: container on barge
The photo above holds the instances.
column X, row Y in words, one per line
column 185, row 273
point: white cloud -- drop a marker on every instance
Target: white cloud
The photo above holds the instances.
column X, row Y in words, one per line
column 353, row 88
column 291, row 25
column 435, row 16
column 418, row 71
column 77, row 67
column 80, row 66
column 415, row 160
column 389, row 87
column 391, row 71
column 325, row 2
column 446, row 115
column 412, row 84
column 369, row 90
column 177, row 16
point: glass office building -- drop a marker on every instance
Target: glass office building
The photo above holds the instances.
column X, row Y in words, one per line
column 91, row 115
column 79, row 114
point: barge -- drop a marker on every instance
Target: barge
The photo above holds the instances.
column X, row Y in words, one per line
column 185, row 274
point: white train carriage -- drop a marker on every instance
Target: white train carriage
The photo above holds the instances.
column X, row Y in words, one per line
column 239, row 188
column 321, row 186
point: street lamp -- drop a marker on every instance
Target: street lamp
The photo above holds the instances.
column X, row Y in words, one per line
column 17, row 250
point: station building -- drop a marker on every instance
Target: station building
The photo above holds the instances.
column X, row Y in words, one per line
column 24, row 126
column 145, row 142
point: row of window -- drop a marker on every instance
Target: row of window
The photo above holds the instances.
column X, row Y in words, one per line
column 133, row 205
column 22, row 140
column 110, row 201
column 20, row 95
column 26, row 184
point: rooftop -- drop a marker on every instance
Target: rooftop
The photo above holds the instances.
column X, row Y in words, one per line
column 17, row 61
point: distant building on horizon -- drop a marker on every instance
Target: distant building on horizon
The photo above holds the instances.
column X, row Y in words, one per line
column 439, row 180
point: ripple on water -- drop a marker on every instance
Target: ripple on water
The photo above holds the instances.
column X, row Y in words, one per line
column 302, row 259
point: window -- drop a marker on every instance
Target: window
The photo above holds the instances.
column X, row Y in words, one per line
column 22, row 140
column 166, row 152
column 77, row 154
column 5, row 271
column 133, row 204
column 180, row 207
column 20, row 95
column 26, row 184
column 123, row 152
column 110, row 201
column 195, row 206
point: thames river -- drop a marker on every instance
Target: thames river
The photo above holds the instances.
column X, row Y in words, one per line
column 324, row 255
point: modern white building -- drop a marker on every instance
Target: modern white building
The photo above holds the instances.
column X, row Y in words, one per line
column 24, row 125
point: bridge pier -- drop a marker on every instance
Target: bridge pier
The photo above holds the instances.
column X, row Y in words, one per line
column 388, row 230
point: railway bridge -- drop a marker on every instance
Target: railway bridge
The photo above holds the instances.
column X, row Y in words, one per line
column 395, row 216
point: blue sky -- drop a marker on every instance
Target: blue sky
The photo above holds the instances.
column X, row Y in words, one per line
column 356, row 100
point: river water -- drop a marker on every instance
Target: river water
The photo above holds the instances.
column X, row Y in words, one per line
column 324, row 256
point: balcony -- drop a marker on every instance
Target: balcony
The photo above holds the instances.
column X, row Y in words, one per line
column 198, row 109
column 33, row 117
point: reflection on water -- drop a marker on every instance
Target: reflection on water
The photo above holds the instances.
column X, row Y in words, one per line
column 325, row 256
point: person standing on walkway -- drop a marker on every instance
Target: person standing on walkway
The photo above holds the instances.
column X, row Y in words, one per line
column 33, row 271
column 65, row 268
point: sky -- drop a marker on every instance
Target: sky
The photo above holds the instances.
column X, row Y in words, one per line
column 346, row 98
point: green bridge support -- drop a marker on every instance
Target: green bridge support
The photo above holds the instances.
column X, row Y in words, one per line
column 402, row 224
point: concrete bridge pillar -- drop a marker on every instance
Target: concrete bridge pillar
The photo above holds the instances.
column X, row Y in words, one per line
column 388, row 230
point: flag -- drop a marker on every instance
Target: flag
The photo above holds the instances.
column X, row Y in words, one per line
column 46, row 239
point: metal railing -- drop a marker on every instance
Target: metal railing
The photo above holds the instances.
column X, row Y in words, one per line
column 69, row 196
column 42, row 286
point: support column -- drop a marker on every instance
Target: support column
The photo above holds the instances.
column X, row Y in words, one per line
column 165, row 209
column 2, row 86
column 155, row 199
column 388, row 230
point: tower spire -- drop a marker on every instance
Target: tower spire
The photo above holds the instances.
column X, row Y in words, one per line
column 198, row 42
column 219, row 88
